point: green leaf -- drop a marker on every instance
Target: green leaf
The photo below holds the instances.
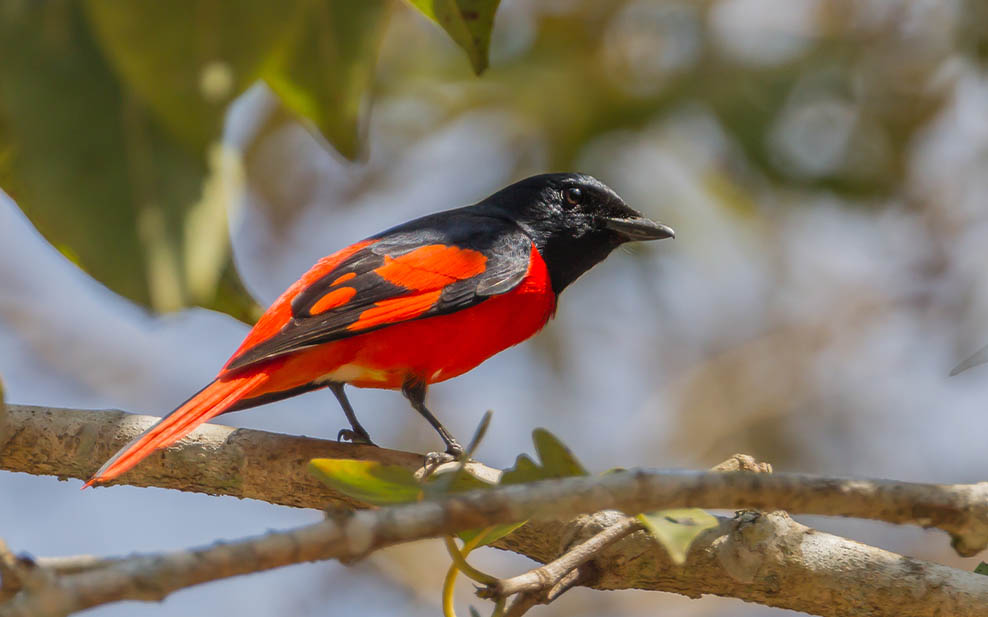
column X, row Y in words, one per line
column 491, row 534
column 69, row 131
column 557, row 460
column 676, row 529
column 455, row 480
column 98, row 172
column 982, row 568
column 324, row 75
column 460, row 480
column 524, row 470
column 467, row 22
column 187, row 59
column 368, row 481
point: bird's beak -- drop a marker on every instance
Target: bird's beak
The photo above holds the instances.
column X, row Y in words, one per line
column 640, row 229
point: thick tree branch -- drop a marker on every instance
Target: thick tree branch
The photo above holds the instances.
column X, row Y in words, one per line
column 544, row 584
column 214, row 459
column 765, row 558
column 272, row 467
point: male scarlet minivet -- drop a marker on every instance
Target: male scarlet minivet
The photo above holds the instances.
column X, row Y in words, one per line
column 414, row 305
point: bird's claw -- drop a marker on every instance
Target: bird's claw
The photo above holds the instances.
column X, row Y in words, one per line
column 433, row 460
column 352, row 436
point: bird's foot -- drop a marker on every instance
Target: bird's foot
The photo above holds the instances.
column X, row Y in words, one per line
column 352, row 436
column 434, row 460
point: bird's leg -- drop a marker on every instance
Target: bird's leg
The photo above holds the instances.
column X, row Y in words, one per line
column 358, row 434
column 414, row 391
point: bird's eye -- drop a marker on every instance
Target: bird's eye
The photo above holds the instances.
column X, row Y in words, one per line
column 573, row 195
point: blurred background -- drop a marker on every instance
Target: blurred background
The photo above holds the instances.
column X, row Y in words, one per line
column 824, row 163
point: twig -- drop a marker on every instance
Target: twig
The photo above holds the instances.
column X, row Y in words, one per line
column 544, row 578
column 521, row 604
column 73, row 564
column 543, row 584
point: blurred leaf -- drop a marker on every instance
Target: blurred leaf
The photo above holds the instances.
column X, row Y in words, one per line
column 676, row 529
column 99, row 176
column 524, row 470
column 324, row 74
column 979, row 357
column 491, row 534
column 982, row 568
column 557, row 460
column 462, row 480
column 478, row 435
column 453, row 481
column 368, row 481
column 187, row 59
column 467, row 22
column 110, row 116
column 380, row 484
column 69, row 131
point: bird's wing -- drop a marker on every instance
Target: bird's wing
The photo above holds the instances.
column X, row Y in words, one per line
column 430, row 267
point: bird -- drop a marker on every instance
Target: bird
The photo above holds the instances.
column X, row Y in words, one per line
column 414, row 305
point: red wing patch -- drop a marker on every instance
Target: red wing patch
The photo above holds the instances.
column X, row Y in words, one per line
column 389, row 280
column 335, row 298
column 346, row 277
column 432, row 267
column 280, row 313
column 395, row 310
column 426, row 270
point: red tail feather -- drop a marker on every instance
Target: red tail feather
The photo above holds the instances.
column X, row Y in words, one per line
column 211, row 401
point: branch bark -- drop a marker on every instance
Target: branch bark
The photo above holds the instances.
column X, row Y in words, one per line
column 765, row 558
column 214, row 459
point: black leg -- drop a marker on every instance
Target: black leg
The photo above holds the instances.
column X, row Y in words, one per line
column 359, row 433
column 414, row 391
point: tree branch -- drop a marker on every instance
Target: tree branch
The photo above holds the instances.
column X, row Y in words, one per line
column 765, row 558
column 544, row 584
column 214, row 459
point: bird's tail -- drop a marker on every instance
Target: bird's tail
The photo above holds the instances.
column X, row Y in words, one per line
column 209, row 402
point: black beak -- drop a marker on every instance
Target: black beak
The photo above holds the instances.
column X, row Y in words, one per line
column 640, row 229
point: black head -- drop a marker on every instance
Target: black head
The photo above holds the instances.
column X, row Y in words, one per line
column 574, row 220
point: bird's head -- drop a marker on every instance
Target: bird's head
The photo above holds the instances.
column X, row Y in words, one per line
column 575, row 221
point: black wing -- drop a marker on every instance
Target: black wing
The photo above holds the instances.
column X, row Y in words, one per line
column 431, row 266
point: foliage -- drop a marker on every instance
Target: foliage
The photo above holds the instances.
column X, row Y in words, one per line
column 676, row 529
column 111, row 117
column 110, row 114
column 378, row 484
column 468, row 22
